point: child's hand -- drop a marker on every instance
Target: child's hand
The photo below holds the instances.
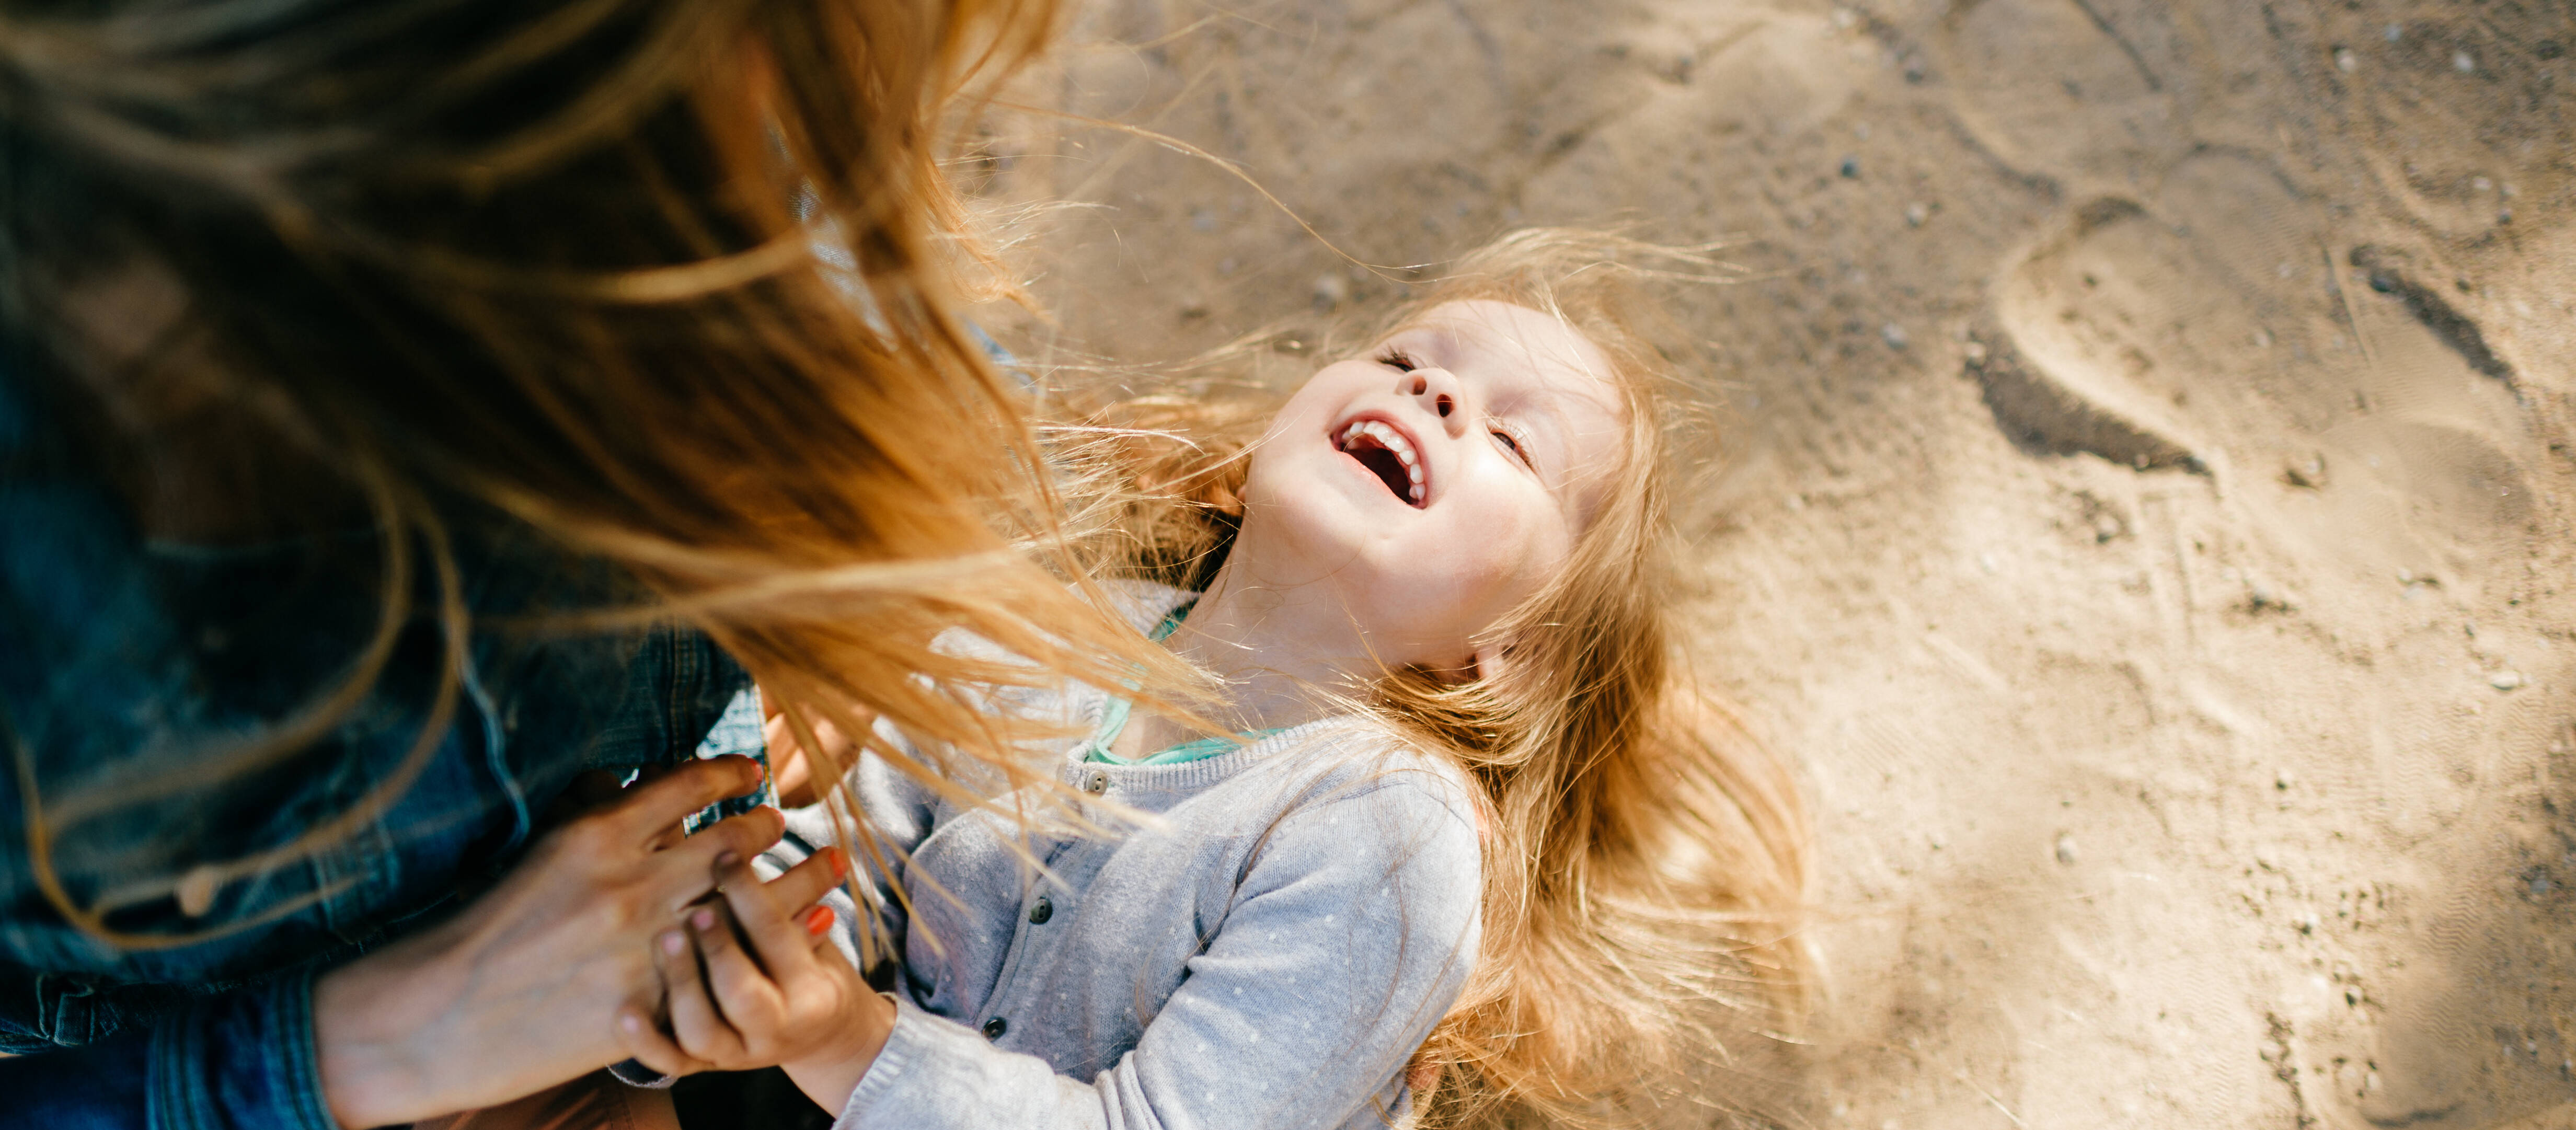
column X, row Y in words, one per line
column 791, row 1000
column 518, row 992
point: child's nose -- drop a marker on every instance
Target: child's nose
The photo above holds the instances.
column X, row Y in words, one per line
column 1438, row 391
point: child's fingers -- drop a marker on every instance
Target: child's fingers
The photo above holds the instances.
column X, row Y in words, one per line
column 802, row 885
column 770, row 912
column 701, row 1028
column 818, row 921
column 642, row 1040
column 752, row 1002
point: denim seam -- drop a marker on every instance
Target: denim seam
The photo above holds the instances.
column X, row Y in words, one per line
column 495, row 753
column 169, row 1096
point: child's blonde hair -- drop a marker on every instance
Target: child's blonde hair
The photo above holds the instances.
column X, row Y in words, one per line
column 1644, row 858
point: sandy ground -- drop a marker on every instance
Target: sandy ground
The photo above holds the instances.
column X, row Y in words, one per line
column 2147, row 512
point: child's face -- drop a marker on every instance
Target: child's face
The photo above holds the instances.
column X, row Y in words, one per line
column 1437, row 481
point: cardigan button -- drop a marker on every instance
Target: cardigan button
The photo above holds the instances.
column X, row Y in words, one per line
column 1097, row 783
column 994, row 1028
column 1041, row 912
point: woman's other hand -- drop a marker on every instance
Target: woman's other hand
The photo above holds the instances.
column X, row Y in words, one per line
column 791, row 767
column 790, row 999
column 521, row 990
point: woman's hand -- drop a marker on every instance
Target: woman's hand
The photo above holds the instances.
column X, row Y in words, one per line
column 789, row 766
column 791, row 1000
column 520, row 991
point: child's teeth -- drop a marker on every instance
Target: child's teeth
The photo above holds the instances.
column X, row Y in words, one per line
column 1392, row 440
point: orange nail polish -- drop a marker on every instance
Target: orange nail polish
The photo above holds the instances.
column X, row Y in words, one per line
column 840, row 863
column 818, row 920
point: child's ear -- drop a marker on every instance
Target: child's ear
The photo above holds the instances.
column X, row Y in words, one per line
column 1487, row 663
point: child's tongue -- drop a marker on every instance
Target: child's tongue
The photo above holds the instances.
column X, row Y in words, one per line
column 1383, row 463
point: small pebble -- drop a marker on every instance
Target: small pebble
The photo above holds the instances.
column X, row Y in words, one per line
column 2505, row 680
column 1893, row 335
column 1916, row 213
column 2307, row 922
column 2395, row 33
column 2309, row 473
column 2346, row 61
column 1331, row 290
column 2283, row 780
column 2461, row 62
column 1851, row 168
column 2065, row 849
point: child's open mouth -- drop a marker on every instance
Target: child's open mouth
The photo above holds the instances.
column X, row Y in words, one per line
column 1388, row 455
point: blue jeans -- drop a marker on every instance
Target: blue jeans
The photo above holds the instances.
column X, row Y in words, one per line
column 126, row 665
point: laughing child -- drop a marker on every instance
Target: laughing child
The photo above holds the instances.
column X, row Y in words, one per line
column 1477, row 849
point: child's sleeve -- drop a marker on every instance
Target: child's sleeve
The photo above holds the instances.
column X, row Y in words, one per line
column 1349, row 937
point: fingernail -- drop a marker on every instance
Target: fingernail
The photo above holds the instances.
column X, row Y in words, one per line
column 673, row 943
column 840, row 862
column 818, row 920
column 703, row 920
column 727, row 859
column 631, row 1022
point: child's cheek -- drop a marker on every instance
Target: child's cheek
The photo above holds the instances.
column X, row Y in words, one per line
column 1487, row 557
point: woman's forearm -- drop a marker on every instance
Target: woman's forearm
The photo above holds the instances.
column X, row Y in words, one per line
column 367, row 1028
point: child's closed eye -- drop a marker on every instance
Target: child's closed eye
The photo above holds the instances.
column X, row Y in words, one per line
column 1513, row 441
column 1398, row 360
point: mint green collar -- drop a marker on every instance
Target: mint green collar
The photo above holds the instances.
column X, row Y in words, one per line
column 1113, row 719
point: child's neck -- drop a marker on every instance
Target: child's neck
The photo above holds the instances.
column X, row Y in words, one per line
column 1280, row 652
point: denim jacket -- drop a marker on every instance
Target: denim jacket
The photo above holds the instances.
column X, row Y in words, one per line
column 127, row 665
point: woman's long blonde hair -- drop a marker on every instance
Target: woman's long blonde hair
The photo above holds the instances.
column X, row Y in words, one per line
column 550, row 266
column 1645, row 859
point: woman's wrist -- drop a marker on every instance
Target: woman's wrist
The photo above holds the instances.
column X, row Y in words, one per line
column 831, row 1075
column 366, row 1034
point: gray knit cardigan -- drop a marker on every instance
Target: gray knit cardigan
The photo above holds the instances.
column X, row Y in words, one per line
column 1263, row 940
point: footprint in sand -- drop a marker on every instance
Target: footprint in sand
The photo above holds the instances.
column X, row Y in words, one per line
column 2213, row 324
column 2016, row 65
column 2464, row 115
